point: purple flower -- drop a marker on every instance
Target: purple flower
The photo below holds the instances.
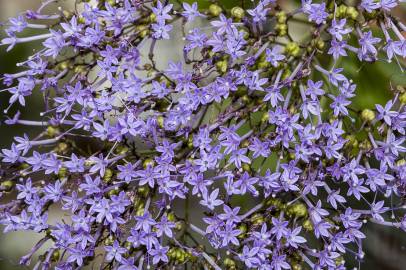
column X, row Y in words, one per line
column 159, row 254
column 191, row 11
column 385, row 113
column 317, row 13
column 274, row 56
column 211, row 200
column 161, row 30
column 162, row 11
column 229, row 235
column 115, row 251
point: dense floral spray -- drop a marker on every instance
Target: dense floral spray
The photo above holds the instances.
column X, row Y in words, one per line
column 243, row 153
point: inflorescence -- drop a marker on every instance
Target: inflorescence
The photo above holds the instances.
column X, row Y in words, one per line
column 243, row 153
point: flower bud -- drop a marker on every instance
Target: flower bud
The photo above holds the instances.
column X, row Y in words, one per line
column 292, row 48
column 296, row 266
column 298, row 210
column 307, row 225
column 341, row 11
column 215, row 10
column 351, row 141
column 179, row 225
column 257, row 219
column 352, row 13
column 265, row 117
column 121, row 149
column 108, row 174
column 62, row 173
column 365, row 145
column 152, row 17
column 222, row 66
column 52, row 131
column 143, row 191
column 61, row 148
column 281, row 17
column 243, row 230
column 149, row 162
column 368, row 115
column 160, row 120
column 171, row 253
column 6, row 185
column 55, row 255
column 140, row 212
column 229, row 263
column 237, row 13
column 171, row 216
column 109, row 241
column 320, row 44
column 112, row 192
column 402, row 98
column 281, row 29
column 246, row 167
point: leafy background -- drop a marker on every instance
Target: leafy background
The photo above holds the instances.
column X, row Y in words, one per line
column 384, row 247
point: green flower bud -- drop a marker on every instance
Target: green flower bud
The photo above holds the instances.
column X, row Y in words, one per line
column 402, row 98
column 351, row 141
column 62, row 173
column 281, row 29
column 160, row 120
column 121, row 149
column 368, row 115
column 365, row 145
column 108, row 174
column 80, row 69
column 171, row 253
column 265, row 117
column 281, row 17
column 352, row 13
column 112, row 192
column 52, row 131
column 246, row 99
column 111, row 2
column 320, row 44
column 152, row 18
column 149, row 162
column 292, row 48
column 222, row 66
column 109, row 241
column 257, row 219
column 6, row 185
column 246, row 167
column 229, row 263
column 143, row 191
column 298, row 210
column 215, row 10
column 237, row 13
column 308, row 225
column 401, row 162
column 140, row 212
column 179, row 225
column 341, row 11
column 55, row 255
column 296, row 266
column 171, row 216
column 243, row 230
column 81, row 20
column 162, row 105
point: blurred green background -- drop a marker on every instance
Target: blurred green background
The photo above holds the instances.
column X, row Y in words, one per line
column 384, row 247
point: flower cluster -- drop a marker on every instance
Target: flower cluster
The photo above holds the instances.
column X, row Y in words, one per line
column 244, row 153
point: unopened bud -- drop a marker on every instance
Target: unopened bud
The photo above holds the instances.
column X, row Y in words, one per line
column 237, row 13
column 215, row 10
column 368, row 115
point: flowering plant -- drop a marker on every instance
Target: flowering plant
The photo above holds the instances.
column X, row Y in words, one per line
column 243, row 153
